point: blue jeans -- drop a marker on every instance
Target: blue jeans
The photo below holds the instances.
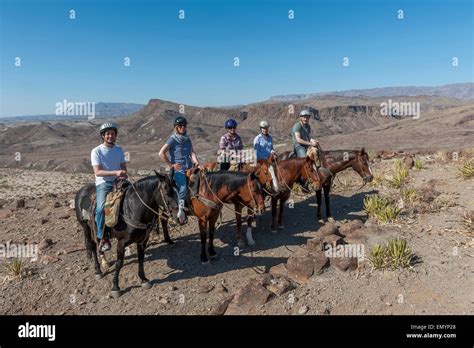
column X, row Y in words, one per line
column 300, row 151
column 101, row 193
column 180, row 180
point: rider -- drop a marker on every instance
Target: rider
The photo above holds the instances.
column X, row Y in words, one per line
column 229, row 141
column 181, row 158
column 263, row 143
column 108, row 161
column 300, row 134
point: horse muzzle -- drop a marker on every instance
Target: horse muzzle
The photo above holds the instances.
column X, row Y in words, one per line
column 368, row 178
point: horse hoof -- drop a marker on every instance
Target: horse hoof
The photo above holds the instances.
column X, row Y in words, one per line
column 274, row 231
column 280, row 227
column 330, row 219
column 241, row 243
column 116, row 293
column 213, row 256
column 169, row 241
column 251, row 242
column 147, row 285
column 206, row 262
column 98, row 276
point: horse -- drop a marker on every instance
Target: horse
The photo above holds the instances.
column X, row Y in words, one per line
column 140, row 204
column 288, row 172
column 265, row 171
column 336, row 161
column 214, row 190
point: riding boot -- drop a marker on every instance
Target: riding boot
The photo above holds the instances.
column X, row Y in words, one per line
column 304, row 185
column 181, row 214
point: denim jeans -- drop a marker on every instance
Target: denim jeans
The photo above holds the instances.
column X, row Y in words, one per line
column 180, row 180
column 300, row 151
column 101, row 193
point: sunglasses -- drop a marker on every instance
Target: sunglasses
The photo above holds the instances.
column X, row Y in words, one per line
column 232, row 128
column 181, row 126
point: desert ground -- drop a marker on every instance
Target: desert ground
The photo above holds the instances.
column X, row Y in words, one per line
column 272, row 277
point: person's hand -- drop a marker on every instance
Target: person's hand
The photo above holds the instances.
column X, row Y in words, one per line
column 314, row 143
column 200, row 166
column 275, row 155
column 176, row 166
column 122, row 174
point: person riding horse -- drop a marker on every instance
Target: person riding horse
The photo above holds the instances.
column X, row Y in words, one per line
column 230, row 141
column 181, row 158
column 263, row 143
column 108, row 162
column 301, row 137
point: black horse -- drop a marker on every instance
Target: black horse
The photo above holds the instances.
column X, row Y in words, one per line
column 140, row 202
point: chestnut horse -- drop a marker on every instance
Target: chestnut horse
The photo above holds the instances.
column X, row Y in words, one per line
column 265, row 171
column 288, row 172
column 216, row 189
column 334, row 162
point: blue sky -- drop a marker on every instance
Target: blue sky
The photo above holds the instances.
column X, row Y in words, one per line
column 191, row 61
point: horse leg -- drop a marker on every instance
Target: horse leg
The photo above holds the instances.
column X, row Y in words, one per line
column 203, row 233
column 166, row 235
column 212, row 228
column 238, row 220
column 318, row 203
column 327, row 188
column 118, row 266
column 250, row 219
column 91, row 248
column 273, row 228
column 280, row 214
column 141, row 271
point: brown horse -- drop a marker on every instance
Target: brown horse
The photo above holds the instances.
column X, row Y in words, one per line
column 265, row 171
column 216, row 189
column 288, row 172
column 335, row 162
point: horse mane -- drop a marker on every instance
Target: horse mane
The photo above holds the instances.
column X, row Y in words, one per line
column 232, row 180
column 147, row 184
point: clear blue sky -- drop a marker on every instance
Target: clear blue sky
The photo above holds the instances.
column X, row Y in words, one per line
column 191, row 61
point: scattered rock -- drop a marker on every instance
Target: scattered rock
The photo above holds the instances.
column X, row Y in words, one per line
column 320, row 262
column 408, row 161
column 44, row 220
column 279, row 270
column 20, row 203
column 57, row 204
column 45, row 243
column 345, row 263
column 221, row 308
column 172, row 288
column 328, row 229
column 163, row 300
column 49, row 259
column 280, row 285
column 248, row 298
column 300, row 268
column 303, row 310
column 64, row 216
column 315, row 244
column 4, row 213
column 204, row 289
column 332, row 240
column 351, row 226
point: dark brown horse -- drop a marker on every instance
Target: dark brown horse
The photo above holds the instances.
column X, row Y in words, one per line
column 288, row 172
column 335, row 162
column 216, row 189
column 138, row 212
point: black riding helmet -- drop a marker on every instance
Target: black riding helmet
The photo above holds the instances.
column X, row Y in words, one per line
column 180, row 121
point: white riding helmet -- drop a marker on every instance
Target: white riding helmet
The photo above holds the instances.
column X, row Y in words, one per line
column 264, row 124
column 106, row 126
column 304, row 113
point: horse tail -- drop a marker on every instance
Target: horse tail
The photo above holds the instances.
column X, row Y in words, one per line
column 78, row 206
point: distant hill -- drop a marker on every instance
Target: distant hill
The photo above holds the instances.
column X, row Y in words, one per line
column 102, row 110
column 464, row 91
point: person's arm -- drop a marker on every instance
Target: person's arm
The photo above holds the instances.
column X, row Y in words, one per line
column 99, row 171
column 222, row 144
column 164, row 157
column 241, row 144
column 301, row 141
column 194, row 158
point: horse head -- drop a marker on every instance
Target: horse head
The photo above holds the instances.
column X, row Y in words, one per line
column 361, row 165
column 255, row 191
column 266, row 174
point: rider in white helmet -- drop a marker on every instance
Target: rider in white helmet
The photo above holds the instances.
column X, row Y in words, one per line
column 263, row 143
column 300, row 134
column 108, row 162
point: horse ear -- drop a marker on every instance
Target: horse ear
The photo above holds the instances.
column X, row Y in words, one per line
column 362, row 151
column 158, row 174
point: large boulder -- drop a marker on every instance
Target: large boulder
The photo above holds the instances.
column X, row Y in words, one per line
column 249, row 298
